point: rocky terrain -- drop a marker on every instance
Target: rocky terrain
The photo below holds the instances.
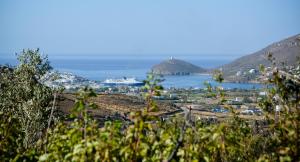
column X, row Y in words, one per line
column 115, row 106
column 246, row 68
column 176, row 67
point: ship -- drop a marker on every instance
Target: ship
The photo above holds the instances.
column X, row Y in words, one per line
column 123, row 82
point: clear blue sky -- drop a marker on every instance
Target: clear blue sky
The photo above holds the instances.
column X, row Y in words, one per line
column 144, row 27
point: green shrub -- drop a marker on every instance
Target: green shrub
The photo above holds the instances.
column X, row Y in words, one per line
column 147, row 138
column 24, row 102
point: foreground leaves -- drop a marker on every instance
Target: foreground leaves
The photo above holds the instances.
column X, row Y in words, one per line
column 145, row 138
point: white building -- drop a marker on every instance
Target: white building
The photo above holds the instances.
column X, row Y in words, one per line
column 239, row 73
column 252, row 71
column 264, row 93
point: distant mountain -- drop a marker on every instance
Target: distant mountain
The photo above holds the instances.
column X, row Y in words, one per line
column 246, row 68
column 176, row 67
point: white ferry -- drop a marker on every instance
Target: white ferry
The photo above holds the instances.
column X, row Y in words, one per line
column 123, row 81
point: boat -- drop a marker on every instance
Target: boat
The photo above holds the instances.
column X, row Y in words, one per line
column 123, row 81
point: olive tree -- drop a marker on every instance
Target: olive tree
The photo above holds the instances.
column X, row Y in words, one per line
column 24, row 98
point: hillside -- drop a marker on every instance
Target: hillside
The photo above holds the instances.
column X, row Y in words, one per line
column 176, row 67
column 246, row 68
column 114, row 106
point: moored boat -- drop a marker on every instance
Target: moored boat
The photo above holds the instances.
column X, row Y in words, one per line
column 123, row 81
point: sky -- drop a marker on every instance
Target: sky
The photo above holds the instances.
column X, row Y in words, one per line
column 146, row 27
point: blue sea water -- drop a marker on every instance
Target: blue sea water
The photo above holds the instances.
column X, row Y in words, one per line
column 101, row 68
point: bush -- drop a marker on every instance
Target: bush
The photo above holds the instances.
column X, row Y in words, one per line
column 24, row 102
column 147, row 138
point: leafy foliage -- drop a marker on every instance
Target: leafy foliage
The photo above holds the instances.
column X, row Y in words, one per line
column 153, row 89
column 147, row 138
column 23, row 102
column 282, row 105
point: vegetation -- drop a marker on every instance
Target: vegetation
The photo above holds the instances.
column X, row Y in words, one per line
column 25, row 104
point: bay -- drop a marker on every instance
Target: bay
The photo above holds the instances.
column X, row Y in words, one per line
column 101, row 68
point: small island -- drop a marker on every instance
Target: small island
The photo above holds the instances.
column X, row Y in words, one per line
column 177, row 67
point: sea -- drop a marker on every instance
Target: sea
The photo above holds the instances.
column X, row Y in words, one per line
column 100, row 68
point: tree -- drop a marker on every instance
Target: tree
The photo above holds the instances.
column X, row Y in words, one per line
column 24, row 98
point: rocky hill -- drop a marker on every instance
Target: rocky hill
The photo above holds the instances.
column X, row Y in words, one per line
column 246, row 68
column 176, row 67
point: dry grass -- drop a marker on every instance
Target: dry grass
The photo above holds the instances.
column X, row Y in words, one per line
column 110, row 104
